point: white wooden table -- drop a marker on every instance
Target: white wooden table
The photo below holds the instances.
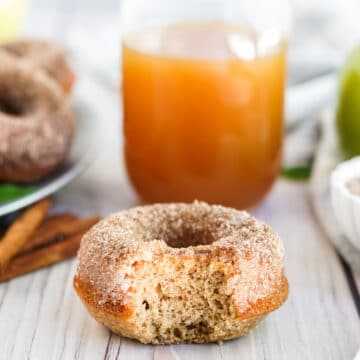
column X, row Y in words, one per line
column 41, row 317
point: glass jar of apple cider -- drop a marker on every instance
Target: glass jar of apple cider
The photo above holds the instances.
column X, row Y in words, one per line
column 203, row 94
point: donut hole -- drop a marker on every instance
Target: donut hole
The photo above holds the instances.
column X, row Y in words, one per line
column 11, row 107
column 190, row 236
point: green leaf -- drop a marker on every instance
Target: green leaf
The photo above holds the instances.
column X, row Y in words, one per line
column 10, row 192
column 297, row 172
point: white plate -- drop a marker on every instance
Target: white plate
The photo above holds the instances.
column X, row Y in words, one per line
column 80, row 157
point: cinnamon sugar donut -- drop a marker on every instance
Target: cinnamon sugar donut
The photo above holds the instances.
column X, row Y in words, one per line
column 36, row 124
column 174, row 273
column 48, row 56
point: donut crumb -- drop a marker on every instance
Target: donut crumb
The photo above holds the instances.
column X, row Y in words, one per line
column 186, row 309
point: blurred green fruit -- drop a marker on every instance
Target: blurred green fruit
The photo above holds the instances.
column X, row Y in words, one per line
column 12, row 13
column 348, row 112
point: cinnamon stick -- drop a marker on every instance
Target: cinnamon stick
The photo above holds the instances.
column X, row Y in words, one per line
column 54, row 219
column 57, row 229
column 42, row 257
column 21, row 230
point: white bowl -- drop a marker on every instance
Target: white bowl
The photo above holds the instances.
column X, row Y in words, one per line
column 345, row 204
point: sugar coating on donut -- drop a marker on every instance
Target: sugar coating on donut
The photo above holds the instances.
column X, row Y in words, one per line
column 36, row 124
column 181, row 272
column 46, row 55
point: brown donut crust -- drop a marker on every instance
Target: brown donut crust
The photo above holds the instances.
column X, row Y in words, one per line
column 122, row 251
column 46, row 55
column 36, row 124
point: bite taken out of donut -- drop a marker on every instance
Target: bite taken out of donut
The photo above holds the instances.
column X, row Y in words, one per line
column 177, row 273
column 36, row 123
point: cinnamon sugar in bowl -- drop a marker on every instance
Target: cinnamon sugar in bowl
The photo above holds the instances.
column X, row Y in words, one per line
column 345, row 198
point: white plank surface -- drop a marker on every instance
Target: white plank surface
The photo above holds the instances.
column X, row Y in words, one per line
column 41, row 317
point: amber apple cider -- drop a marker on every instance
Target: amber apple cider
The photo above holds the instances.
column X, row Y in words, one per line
column 203, row 113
